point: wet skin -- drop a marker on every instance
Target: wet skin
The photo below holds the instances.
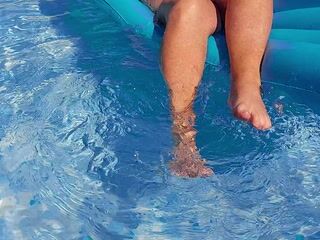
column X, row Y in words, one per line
column 189, row 23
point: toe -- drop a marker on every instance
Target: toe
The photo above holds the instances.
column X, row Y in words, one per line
column 241, row 112
column 245, row 116
column 265, row 120
column 267, row 123
column 257, row 121
column 206, row 172
column 261, row 121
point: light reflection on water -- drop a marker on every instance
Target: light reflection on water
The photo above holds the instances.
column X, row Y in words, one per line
column 85, row 140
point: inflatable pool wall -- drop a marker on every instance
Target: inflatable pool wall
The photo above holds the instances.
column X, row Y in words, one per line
column 293, row 53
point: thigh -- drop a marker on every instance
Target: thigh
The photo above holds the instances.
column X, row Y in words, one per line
column 163, row 7
column 154, row 4
column 221, row 6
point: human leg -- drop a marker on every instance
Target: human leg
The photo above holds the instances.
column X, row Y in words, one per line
column 189, row 23
column 248, row 24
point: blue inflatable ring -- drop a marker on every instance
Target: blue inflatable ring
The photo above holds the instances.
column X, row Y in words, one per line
column 293, row 53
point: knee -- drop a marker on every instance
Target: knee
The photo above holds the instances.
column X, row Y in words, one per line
column 199, row 13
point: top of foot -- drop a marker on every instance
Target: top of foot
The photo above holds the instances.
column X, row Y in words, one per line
column 247, row 105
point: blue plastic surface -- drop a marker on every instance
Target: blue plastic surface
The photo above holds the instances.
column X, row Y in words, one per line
column 293, row 52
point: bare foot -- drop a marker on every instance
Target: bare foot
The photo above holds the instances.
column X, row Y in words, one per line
column 187, row 160
column 246, row 103
column 188, row 163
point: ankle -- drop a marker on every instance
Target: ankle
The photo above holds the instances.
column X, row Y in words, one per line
column 251, row 76
column 246, row 80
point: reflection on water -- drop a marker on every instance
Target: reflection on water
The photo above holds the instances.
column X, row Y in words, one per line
column 85, row 140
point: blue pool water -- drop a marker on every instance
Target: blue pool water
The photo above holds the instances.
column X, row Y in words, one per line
column 85, row 140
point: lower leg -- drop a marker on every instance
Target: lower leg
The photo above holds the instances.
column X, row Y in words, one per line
column 188, row 26
column 248, row 24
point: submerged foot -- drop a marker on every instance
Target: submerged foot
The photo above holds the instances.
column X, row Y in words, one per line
column 187, row 161
column 247, row 105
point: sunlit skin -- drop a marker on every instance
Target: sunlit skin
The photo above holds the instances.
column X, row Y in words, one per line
column 189, row 23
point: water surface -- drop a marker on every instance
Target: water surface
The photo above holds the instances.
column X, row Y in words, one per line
column 85, row 139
